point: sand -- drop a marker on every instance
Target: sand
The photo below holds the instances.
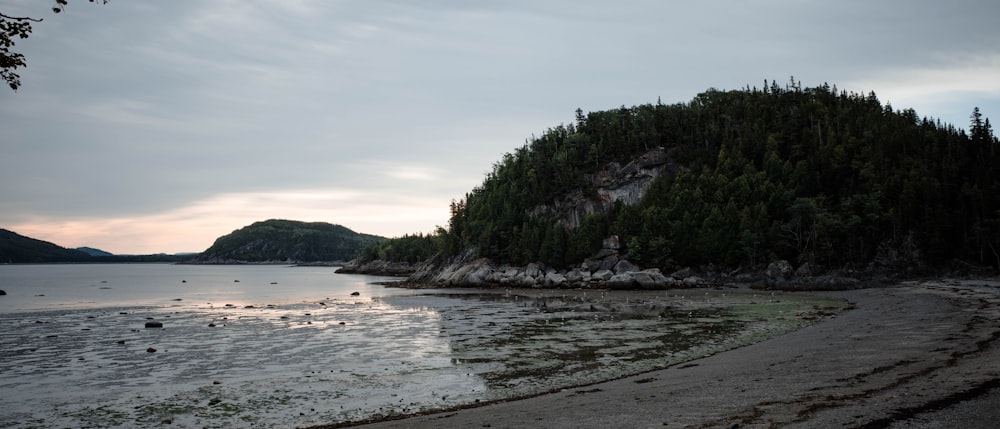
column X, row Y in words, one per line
column 915, row 355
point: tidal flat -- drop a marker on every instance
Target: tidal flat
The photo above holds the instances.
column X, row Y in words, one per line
column 360, row 358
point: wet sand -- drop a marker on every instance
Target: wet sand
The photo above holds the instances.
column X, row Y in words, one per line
column 920, row 354
column 351, row 358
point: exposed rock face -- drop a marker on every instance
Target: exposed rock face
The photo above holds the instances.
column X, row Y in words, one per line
column 626, row 184
column 607, row 269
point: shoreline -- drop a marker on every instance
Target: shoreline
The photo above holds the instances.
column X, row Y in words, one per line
column 904, row 355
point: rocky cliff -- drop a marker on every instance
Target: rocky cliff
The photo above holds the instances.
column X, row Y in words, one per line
column 615, row 183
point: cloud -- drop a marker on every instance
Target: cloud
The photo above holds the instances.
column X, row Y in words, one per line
column 194, row 227
column 147, row 116
column 948, row 89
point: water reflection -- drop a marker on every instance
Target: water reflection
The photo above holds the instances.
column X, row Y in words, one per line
column 526, row 344
column 339, row 359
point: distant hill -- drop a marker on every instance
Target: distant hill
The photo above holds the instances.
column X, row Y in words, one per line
column 94, row 252
column 278, row 240
column 16, row 248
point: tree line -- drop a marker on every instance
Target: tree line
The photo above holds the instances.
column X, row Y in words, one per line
column 815, row 175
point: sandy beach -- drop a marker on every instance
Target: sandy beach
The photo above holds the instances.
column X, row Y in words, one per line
column 914, row 355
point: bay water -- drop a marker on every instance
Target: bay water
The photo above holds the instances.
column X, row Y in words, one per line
column 279, row 346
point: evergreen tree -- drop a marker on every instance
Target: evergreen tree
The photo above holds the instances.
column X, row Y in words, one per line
column 804, row 174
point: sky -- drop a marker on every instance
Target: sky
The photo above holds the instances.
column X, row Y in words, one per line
column 158, row 126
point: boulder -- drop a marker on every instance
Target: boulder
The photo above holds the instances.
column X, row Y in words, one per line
column 474, row 272
column 693, row 281
column 525, row 280
column 510, row 272
column 607, row 263
column 507, row 280
column 478, row 275
column 682, row 274
column 804, row 270
column 496, row 276
column 621, row 281
column 644, row 279
column 533, row 270
column 624, row 266
column 659, row 280
column 612, row 243
column 574, row 276
column 602, row 275
column 779, row 270
column 554, row 279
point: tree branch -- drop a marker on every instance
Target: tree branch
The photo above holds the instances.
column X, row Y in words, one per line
column 14, row 18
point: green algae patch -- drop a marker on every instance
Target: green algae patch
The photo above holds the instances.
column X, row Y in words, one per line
column 767, row 315
column 562, row 339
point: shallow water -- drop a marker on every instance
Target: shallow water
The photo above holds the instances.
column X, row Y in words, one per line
column 304, row 351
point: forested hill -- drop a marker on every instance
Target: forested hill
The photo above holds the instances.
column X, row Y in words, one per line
column 803, row 174
column 286, row 240
column 16, row 248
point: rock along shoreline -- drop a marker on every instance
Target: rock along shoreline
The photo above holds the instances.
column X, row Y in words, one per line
column 607, row 270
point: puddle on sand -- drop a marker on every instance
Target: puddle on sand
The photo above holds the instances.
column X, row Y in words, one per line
column 351, row 359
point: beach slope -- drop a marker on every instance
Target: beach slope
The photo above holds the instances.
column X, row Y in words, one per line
column 919, row 354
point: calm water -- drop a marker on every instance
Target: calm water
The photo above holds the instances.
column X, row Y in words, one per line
column 274, row 346
column 80, row 286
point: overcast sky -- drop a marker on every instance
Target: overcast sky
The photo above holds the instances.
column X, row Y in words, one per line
column 158, row 126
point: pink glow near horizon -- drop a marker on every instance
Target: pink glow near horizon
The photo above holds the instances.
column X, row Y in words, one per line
column 195, row 227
